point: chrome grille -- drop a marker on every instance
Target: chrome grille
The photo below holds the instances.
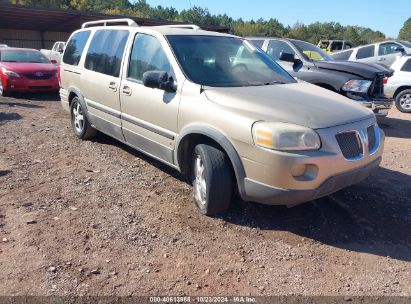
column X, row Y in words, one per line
column 372, row 141
column 350, row 144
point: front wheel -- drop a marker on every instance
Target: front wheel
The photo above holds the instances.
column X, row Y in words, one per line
column 212, row 180
column 79, row 121
column 403, row 101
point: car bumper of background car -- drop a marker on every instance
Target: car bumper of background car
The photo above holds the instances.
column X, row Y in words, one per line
column 380, row 107
column 291, row 178
column 13, row 84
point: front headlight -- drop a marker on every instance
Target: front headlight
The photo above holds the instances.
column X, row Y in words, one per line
column 357, row 85
column 285, row 136
column 9, row 73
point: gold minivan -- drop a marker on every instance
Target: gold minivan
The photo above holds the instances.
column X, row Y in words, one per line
column 217, row 109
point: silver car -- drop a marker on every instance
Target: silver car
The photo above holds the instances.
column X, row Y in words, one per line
column 399, row 85
column 384, row 53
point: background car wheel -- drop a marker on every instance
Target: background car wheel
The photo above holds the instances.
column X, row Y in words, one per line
column 212, row 180
column 2, row 91
column 403, row 101
column 81, row 126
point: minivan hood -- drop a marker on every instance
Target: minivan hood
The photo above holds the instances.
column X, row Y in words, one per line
column 363, row 70
column 298, row 103
column 29, row 67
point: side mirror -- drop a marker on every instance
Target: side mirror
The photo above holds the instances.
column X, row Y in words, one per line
column 298, row 64
column 400, row 49
column 60, row 50
column 159, row 80
column 53, row 61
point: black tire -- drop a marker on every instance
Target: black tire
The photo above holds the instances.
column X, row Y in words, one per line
column 403, row 101
column 217, row 177
column 83, row 130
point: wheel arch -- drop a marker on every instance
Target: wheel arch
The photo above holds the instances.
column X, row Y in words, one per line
column 193, row 135
column 74, row 92
column 400, row 89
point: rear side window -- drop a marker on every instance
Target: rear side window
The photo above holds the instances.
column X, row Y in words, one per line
column 147, row 55
column 257, row 43
column 106, row 52
column 75, row 48
column 366, row 52
column 336, row 46
column 342, row 55
column 407, row 66
column 276, row 47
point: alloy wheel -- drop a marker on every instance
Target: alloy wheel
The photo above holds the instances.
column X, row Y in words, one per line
column 200, row 186
column 405, row 102
column 78, row 118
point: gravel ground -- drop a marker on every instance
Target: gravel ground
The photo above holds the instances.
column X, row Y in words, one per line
column 97, row 218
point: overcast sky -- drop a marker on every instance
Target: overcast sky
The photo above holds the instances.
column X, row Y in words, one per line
column 385, row 16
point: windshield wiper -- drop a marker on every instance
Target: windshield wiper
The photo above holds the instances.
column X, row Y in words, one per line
column 9, row 61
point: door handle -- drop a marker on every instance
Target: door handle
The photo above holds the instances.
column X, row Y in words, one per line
column 112, row 86
column 127, row 90
column 381, row 59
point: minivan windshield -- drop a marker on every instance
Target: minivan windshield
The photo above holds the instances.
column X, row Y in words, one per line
column 22, row 56
column 311, row 52
column 225, row 62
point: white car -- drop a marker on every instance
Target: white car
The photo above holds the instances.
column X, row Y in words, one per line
column 3, row 45
column 384, row 53
column 399, row 85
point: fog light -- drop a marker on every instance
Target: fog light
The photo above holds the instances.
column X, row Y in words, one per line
column 304, row 172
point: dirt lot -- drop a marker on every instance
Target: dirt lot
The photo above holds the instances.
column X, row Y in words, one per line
column 97, row 218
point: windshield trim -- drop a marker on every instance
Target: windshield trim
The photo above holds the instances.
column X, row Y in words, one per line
column 257, row 49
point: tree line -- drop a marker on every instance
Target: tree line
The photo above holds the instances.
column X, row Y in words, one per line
column 312, row 33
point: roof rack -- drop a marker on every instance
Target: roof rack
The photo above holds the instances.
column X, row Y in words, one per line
column 185, row 26
column 110, row 22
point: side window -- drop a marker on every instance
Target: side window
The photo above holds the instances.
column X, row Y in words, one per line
column 366, row 52
column 342, row 55
column 276, row 47
column 106, row 52
column 75, row 48
column 407, row 66
column 257, row 43
column 336, row 46
column 388, row 48
column 147, row 55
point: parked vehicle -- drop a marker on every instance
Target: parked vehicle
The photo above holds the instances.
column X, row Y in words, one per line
column 3, row 45
column 399, row 85
column 331, row 46
column 362, row 83
column 384, row 53
column 183, row 97
column 56, row 52
column 26, row 70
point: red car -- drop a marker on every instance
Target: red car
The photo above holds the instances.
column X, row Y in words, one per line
column 26, row 70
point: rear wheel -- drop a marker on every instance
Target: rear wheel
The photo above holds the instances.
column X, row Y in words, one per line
column 212, row 180
column 79, row 121
column 403, row 101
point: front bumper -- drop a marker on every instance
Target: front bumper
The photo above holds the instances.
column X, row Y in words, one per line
column 293, row 177
column 13, row 84
column 260, row 193
column 380, row 107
